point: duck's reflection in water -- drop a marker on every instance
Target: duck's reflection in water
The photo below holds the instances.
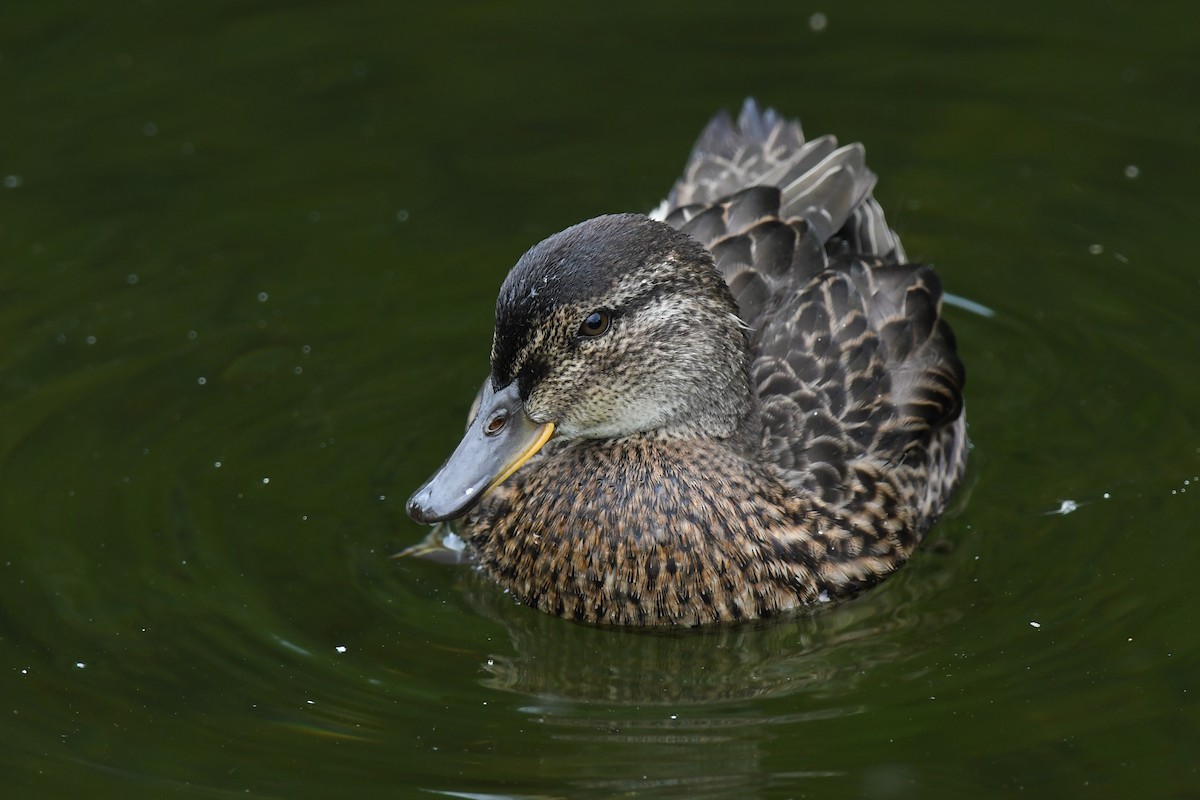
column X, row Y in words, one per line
column 697, row 713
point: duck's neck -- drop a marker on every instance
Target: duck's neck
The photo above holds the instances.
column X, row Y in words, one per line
column 714, row 400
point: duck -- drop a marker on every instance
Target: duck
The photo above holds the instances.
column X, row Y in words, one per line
column 743, row 404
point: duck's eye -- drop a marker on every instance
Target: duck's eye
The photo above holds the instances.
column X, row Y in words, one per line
column 595, row 324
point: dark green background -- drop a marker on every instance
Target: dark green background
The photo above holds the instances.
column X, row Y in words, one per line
column 269, row 235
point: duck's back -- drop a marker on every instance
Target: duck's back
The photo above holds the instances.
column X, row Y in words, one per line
column 856, row 371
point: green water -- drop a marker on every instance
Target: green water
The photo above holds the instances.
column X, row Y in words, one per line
column 248, row 258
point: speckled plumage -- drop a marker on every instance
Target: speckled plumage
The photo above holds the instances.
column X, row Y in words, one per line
column 773, row 419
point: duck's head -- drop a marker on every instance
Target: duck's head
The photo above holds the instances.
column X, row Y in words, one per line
column 616, row 326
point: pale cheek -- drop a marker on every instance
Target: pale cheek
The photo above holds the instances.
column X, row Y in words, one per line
column 556, row 396
column 615, row 410
column 605, row 393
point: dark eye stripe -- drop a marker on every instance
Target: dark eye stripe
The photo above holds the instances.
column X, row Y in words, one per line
column 595, row 324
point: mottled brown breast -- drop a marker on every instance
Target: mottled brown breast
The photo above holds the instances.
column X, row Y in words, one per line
column 650, row 531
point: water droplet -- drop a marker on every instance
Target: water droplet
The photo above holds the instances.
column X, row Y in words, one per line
column 1065, row 507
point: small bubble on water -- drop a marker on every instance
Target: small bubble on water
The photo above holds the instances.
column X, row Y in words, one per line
column 132, row 279
column 314, row 216
column 266, row 481
column 201, row 380
column 217, row 464
column 80, row 665
column 263, row 297
column 1035, row 624
column 341, row 648
column 90, row 339
column 1107, row 496
column 305, row 349
column 402, row 215
column 297, row 370
column 1065, row 507
column 1096, row 249
column 817, row 22
column 1132, row 171
column 192, row 334
column 12, row 181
